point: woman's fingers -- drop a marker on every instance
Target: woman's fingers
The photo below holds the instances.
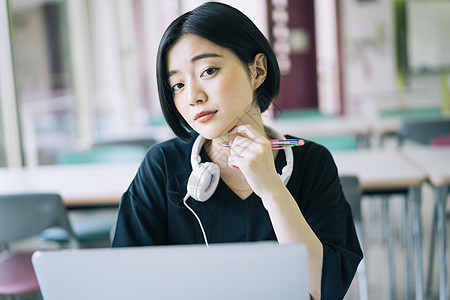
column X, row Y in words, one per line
column 248, row 139
column 251, row 152
column 240, row 144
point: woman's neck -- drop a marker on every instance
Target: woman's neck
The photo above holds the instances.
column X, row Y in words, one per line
column 252, row 117
column 232, row 177
column 220, row 154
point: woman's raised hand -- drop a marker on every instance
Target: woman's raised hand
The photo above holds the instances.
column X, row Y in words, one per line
column 251, row 153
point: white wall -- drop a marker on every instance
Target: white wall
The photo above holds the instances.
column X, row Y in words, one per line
column 328, row 81
column 256, row 10
column 32, row 67
column 368, row 49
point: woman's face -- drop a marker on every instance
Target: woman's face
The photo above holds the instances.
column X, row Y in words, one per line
column 212, row 89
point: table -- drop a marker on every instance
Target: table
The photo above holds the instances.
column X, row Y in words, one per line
column 318, row 127
column 382, row 127
column 379, row 170
column 387, row 171
column 435, row 161
column 80, row 185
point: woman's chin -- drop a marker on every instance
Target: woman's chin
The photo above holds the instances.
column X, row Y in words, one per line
column 215, row 133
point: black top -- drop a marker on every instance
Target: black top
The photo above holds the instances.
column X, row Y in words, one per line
column 152, row 211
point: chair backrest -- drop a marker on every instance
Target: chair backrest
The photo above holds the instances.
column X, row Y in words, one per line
column 424, row 131
column 353, row 193
column 143, row 143
column 25, row 215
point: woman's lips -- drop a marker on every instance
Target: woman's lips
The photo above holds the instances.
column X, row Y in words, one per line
column 204, row 116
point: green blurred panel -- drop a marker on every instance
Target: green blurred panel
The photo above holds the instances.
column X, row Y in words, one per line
column 412, row 113
column 337, row 143
column 312, row 113
column 125, row 153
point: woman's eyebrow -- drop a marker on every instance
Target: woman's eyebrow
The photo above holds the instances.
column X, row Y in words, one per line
column 204, row 55
column 196, row 58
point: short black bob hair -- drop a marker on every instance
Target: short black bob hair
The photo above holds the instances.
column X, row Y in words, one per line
column 224, row 26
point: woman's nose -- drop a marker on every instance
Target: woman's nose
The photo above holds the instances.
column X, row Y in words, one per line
column 196, row 95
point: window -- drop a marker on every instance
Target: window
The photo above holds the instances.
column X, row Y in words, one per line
column 44, row 88
column 84, row 70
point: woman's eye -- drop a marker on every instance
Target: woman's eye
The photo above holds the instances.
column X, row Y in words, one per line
column 210, row 71
column 177, row 86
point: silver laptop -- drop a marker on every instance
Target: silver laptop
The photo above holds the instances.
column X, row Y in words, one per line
column 262, row 270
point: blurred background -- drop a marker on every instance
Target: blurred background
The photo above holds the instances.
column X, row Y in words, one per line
column 78, row 85
column 76, row 73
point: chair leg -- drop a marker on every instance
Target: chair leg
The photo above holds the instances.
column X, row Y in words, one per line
column 389, row 247
column 361, row 272
column 362, row 281
column 407, row 245
column 431, row 257
column 441, row 200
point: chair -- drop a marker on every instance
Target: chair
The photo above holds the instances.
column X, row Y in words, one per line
column 139, row 143
column 353, row 193
column 424, row 131
column 92, row 226
column 434, row 133
column 23, row 216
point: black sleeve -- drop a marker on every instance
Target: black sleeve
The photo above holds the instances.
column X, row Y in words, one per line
column 329, row 215
column 140, row 221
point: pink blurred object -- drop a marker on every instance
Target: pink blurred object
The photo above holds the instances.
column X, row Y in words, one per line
column 441, row 140
column 17, row 275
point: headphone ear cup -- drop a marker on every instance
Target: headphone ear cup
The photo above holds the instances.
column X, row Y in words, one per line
column 203, row 181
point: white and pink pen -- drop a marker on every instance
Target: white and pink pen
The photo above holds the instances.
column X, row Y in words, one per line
column 276, row 144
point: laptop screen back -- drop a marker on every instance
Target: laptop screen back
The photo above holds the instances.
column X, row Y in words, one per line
column 262, row 270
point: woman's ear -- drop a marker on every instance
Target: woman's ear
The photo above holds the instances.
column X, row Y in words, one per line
column 259, row 70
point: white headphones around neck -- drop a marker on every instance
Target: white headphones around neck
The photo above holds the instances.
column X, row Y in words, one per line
column 205, row 176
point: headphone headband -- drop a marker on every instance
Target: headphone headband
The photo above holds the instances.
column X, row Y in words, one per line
column 195, row 153
column 286, row 172
column 205, row 177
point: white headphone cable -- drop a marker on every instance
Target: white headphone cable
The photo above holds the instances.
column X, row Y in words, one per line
column 198, row 219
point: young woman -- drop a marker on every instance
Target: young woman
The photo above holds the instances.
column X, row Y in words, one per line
column 216, row 75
